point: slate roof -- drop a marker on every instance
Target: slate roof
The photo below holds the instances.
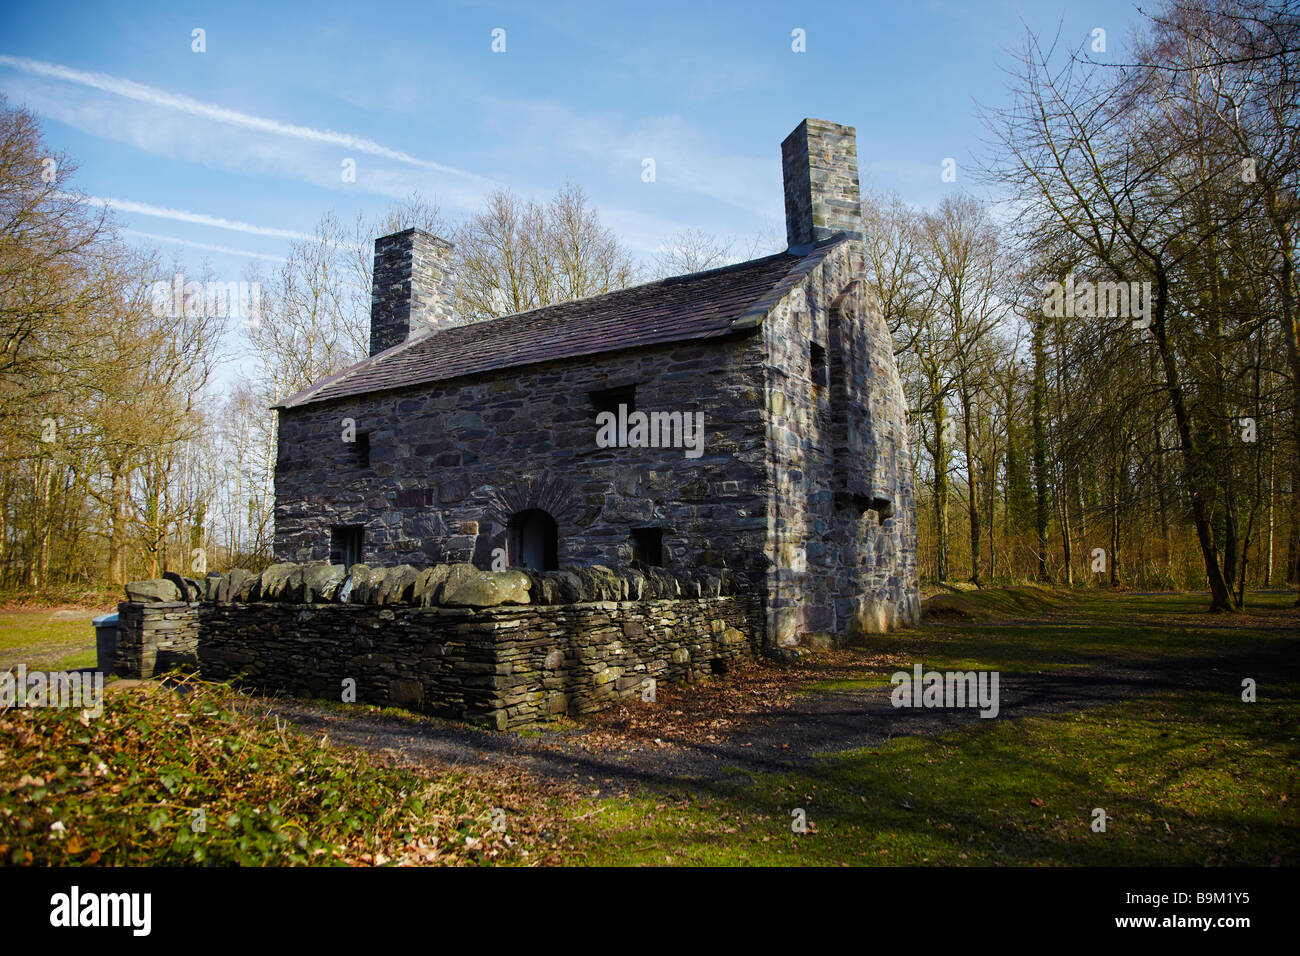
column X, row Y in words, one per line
column 701, row 305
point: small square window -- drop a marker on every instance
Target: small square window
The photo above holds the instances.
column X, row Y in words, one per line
column 648, row 546
column 818, row 371
column 609, row 399
column 345, row 544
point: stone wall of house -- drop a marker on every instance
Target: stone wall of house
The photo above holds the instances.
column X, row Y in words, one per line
column 805, row 482
column 503, row 649
column 451, row 462
column 842, row 540
column 155, row 637
column 804, row 485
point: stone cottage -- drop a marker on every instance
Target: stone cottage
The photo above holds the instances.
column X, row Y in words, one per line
column 749, row 417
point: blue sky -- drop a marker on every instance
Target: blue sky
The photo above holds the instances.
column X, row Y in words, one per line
column 237, row 149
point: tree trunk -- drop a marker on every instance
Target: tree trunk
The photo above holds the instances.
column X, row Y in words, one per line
column 1114, row 526
column 1040, row 448
column 1291, row 334
column 117, row 522
column 972, row 496
column 1272, row 480
column 940, row 494
column 1197, row 476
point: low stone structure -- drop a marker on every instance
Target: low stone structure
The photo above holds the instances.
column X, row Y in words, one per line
column 461, row 585
column 498, row 648
column 502, row 667
column 155, row 637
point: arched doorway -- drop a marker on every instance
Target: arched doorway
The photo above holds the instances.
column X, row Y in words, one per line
column 533, row 540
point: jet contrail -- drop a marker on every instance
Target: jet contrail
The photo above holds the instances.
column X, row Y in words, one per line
column 221, row 114
column 182, row 215
column 154, row 237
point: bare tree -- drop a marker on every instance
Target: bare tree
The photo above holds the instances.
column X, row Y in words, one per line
column 514, row 256
column 965, row 268
column 693, row 250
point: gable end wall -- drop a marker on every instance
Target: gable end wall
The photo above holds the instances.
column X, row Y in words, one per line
column 842, row 535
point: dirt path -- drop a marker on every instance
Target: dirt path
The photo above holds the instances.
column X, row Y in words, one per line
column 801, row 727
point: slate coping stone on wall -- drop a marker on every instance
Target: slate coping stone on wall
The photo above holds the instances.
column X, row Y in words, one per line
column 188, row 587
column 467, row 586
column 276, row 581
column 398, row 585
column 603, row 584
column 569, row 585
column 243, row 586
column 543, row 587
column 321, row 582
column 428, row 586
column 457, row 585
column 153, row 590
column 661, row 585
column 357, row 589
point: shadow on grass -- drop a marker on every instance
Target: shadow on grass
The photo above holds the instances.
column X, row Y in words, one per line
column 1181, row 782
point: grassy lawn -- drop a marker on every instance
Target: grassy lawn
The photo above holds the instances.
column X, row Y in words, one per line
column 1184, row 779
column 47, row 639
column 1182, row 782
column 1040, row 632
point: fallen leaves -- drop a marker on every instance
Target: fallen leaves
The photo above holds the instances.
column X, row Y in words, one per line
column 124, row 790
column 708, row 711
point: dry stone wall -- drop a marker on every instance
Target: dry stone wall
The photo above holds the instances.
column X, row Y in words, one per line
column 155, row 637
column 501, row 667
column 502, row 649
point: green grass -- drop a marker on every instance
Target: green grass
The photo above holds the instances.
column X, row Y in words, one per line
column 73, row 662
column 39, row 639
column 1184, row 778
column 1093, row 629
column 1183, row 782
column 847, row 683
column 1005, row 602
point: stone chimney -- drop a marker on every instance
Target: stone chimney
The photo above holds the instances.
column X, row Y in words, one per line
column 411, row 287
column 819, row 162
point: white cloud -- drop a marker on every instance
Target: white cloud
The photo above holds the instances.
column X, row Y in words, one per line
column 177, row 127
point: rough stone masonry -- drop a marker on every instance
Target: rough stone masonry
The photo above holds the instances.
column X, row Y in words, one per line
column 498, row 648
